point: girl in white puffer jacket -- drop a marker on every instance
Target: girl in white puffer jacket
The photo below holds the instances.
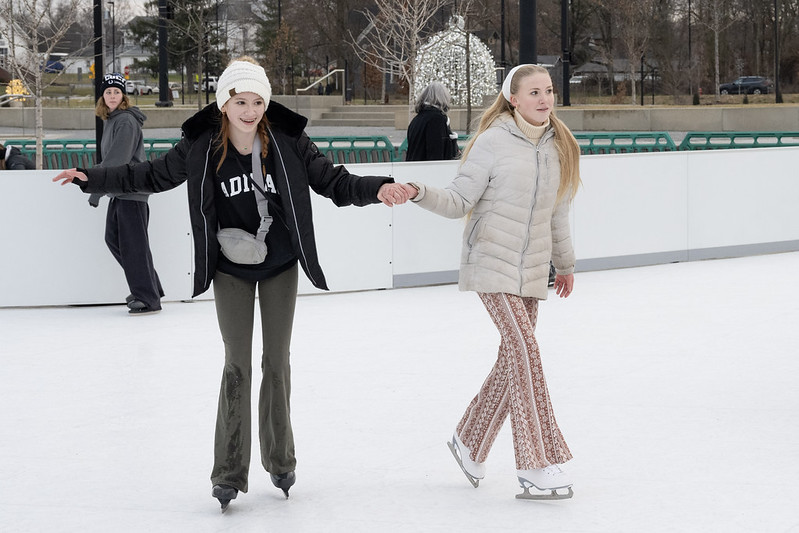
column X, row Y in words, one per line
column 516, row 181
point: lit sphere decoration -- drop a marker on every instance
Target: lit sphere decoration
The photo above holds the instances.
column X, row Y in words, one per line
column 443, row 58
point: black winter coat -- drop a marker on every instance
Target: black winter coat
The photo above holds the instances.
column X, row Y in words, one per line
column 430, row 137
column 15, row 160
column 299, row 166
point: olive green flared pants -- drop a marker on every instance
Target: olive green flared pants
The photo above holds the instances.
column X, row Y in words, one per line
column 235, row 304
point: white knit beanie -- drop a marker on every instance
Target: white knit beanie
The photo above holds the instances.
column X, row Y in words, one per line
column 242, row 77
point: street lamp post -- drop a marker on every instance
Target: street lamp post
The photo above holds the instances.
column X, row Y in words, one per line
column 528, row 51
column 113, row 38
column 564, row 41
column 502, row 62
column 690, row 55
column 777, row 91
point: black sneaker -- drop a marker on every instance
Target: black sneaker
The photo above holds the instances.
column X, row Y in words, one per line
column 284, row 481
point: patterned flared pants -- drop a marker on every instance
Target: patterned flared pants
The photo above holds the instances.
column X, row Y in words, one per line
column 515, row 386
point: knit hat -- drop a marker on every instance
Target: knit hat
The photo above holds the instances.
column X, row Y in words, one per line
column 242, row 77
column 113, row 80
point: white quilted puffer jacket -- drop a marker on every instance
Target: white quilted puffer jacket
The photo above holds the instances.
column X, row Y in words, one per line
column 509, row 185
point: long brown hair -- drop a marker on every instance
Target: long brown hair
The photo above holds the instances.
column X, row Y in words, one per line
column 223, row 138
column 565, row 143
column 101, row 110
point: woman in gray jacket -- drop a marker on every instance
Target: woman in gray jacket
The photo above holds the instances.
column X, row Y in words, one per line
column 515, row 183
column 128, row 215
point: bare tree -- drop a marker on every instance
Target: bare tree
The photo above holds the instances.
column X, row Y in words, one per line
column 34, row 29
column 605, row 43
column 631, row 22
column 278, row 58
column 394, row 34
column 716, row 16
column 191, row 24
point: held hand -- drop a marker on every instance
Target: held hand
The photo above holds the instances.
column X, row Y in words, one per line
column 392, row 194
column 68, row 176
column 564, row 285
column 411, row 190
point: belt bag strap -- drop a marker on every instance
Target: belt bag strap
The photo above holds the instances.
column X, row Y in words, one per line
column 260, row 195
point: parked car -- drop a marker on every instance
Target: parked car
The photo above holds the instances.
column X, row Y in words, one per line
column 747, row 85
column 53, row 66
column 138, row 87
column 209, row 84
column 576, row 79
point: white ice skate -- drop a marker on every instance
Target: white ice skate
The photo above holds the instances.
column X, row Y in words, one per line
column 474, row 471
column 550, row 479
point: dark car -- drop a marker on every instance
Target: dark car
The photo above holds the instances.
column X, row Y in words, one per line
column 747, row 85
column 53, row 66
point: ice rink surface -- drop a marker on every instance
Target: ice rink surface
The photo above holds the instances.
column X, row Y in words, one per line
column 675, row 387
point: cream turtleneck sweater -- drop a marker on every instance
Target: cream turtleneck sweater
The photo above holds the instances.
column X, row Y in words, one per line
column 534, row 133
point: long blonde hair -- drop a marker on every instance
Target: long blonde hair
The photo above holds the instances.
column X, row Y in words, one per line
column 223, row 139
column 565, row 143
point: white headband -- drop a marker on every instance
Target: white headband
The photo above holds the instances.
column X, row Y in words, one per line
column 508, row 79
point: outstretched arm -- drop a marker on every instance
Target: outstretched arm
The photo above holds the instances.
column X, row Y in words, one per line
column 70, row 175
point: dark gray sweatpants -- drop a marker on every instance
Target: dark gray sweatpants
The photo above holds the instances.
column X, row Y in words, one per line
column 235, row 303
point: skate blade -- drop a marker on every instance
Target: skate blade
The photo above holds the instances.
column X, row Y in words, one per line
column 224, row 504
column 553, row 495
column 474, row 481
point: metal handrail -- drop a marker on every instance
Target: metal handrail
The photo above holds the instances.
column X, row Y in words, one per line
column 5, row 97
column 320, row 80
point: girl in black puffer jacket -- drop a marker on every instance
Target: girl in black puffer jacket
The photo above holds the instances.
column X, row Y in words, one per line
column 261, row 199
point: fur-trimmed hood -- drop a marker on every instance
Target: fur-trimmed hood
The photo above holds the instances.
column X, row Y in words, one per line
column 210, row 118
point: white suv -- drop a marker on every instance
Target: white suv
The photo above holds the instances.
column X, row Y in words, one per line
column 138, row 87
column 210, row 81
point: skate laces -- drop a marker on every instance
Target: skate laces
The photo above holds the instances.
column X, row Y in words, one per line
column 552, row 470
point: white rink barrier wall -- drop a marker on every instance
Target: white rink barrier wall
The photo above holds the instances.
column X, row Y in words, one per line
column 633, row 210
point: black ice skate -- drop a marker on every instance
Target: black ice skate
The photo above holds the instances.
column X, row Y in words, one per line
column 224, row 493
column 284, row 481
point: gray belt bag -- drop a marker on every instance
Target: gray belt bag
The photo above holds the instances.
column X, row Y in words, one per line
column 239, row 245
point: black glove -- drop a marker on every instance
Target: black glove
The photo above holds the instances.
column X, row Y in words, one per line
column 94, row 199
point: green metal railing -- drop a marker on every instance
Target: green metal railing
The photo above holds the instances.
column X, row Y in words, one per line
column 342, row 150
column 711, row 140
column 70, row 153
column 622, row 143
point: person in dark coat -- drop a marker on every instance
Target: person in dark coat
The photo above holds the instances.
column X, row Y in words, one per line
column 128, row 215
column 12, row 159
column 230, row 196
column 429, row 135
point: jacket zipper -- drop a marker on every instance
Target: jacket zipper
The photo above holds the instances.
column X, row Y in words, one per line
column 293, row 208
column 206, row 282
column 530, row 218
